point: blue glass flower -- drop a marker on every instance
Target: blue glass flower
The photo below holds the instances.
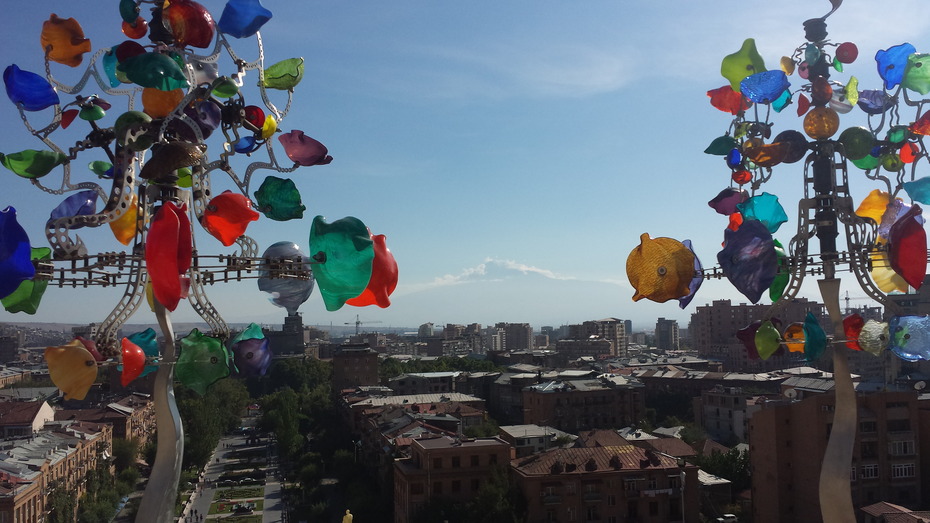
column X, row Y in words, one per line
column 765, row 208
column 15, row 253
column 748, row 259
column 28, row 90
column 243, row 18
column 78, row 204
column 764, row 87
column 910, row 337
column 875, row 101
column 892, row 63
column 251, row 353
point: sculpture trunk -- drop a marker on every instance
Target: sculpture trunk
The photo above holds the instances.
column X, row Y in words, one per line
column 162, row 490
column 835, row 494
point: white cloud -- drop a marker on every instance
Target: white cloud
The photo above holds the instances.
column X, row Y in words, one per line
column 490, row 270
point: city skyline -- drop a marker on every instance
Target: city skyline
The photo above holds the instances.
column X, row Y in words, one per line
column 512, row 154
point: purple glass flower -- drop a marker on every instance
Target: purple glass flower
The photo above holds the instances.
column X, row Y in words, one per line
column 748, row 259
column 303, row 150
column 725, row 203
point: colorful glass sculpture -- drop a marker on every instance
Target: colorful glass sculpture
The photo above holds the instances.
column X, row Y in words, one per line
column 251, row 352
column 189, row 22
column 133, row 361
column 873, row 205
column 128, row 10
column 168, row 250
column 168, row 158
column 764, row 87
column 383, row 279
column 874, row 338
column 919, row 190
column 203, row 360
column 742, row 63
column 782, row 276
column 91, row 347
column 344, row 253
column 885, row 278
column 72, row 368
column 63, row 41
column 765, row 208
column 858, row 142
column 289, row 293
column 28, row 90
column 148, row 342
column 284, row 75
column 815, row 339
column 243, row 18
column 158, row 103
column 304, row 150
column 722, row 145
column 908, row 247
column 852, row 328
column 153, row 70
column 15, row 253
column 727, row 201
column 696, row 281
column 81, row 203
column 227, row 216
column 847, row 52
column 820, row 123
column 794, row 337
column 32, row 163
column 28, row 294
column 763, row 154
column 795, row 143
column 279, row 199
column 131, row 130
column 892, row 63
column 747, row 335
column 910, row 337
column 660, row 269
column 727, row 100
column 767, row 340
column 748, row 259
column 136, row 29
column 127, row 225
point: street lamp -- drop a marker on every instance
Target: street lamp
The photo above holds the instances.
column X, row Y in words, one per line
column 158, row 164
column 886, row 245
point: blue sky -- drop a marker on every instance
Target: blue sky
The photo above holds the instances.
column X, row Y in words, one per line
column 512, row 152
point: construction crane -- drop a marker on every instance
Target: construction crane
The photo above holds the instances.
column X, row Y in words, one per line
column 359, row 322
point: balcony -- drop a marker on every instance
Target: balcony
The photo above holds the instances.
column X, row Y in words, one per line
column 593, row 497
column 552, row 499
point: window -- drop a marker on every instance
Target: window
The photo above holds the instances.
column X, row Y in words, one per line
column 868, row 426
column 899, row 425
column 630, row 485
column 852, row 474
column 474, row 461
column 611, row 500
column 868, row 449
column 456, row 462
column 571, row 513
column 492, row 459
column 475, row 485
column 416, row 488
column 902, row 470
column 653, row 483
column 869, row 472
column 674, row 482
column 653, row 508
column 456, row 485
column 901, row 448
column 437, row 463
column 437, row 488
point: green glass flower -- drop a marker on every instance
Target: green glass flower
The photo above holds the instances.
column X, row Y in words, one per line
column 203, row 361
column 284, row 75
column 279, row 199
column 27, row 296
column 31, row 163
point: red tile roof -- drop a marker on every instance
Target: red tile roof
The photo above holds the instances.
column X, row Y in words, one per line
column 581, row 460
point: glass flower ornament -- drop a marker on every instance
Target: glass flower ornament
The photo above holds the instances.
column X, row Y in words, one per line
column 660, row 269
column 874, row 337
column 127, row 225
column 696, row 281
column 765, row 208
column 815, row 339
column 28, row 90
column 81, row 203
column 72, row 368
column 279, row 199
column 15, row 253
column 189, row 23
column 383, row 279
column 31, row 163
column 168, row 250
column 344, row 253
column 742, row 63
column 251, row 352
column 728, row 200
column 284, row 75
column 892, row 63
column 133, row 361
column 153, row 70
column 852, row 329
column 727, row 100
column 289, row 293
column 910, row 337
column 747, row 336
column 63, row 41
column 777, row 288
column 765, row 86
column 243, row 18
column 767, row 339
column 28, row 294
column 227, row 216
column 202, row 362
column 147, row 341
column 908, row 247
column 794, row 337
column 748, row 259
column 304, row 150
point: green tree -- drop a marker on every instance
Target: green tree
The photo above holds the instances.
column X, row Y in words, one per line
column 125, row 453
column 498, row 500
column 281, row 415
column 61, row 506
column 733, row 465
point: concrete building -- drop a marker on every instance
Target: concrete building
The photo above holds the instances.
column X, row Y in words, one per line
column 530, row 439
column 610, row 329
column 612, row 484
column 512, row 337
column 724, row 412
column 424, row 382
column 355, row 366
column 445, row 468
column 593, row 346
column 787, row 443
column 667, row 334
column 574, row 405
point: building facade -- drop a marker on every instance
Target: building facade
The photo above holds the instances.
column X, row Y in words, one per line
column 667, row 334
column 575, row 405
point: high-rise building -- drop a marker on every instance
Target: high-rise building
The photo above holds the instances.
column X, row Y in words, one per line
column 667, row 334
column 787, row 443
column 714, row 327
column 354, row 366
column 510, row 337
column 425, row 331
column 610, row 329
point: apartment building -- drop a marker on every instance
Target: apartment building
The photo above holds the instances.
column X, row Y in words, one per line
column 575, row 405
